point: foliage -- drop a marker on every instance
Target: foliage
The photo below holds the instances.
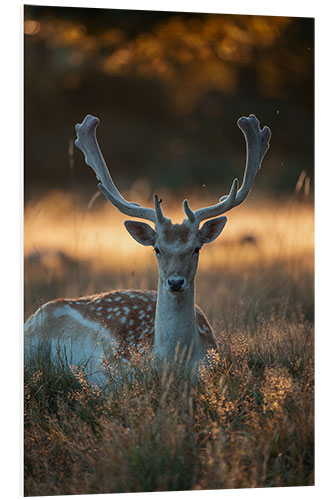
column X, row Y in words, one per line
column 198, row 52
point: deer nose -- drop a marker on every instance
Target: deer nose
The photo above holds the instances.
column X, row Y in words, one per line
column 176, row 283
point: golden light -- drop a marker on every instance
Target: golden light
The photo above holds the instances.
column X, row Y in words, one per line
column 31, row 27
column 227, row 49
column 112, row 37
column 289, row 241
column 200, row 51
column 76, row 32
column 118, row 59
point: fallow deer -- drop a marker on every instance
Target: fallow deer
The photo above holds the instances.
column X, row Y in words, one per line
column 96, row 327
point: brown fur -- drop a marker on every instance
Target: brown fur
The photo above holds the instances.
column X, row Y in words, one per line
column 176, row 232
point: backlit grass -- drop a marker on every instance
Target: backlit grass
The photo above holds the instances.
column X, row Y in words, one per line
column 249, row 420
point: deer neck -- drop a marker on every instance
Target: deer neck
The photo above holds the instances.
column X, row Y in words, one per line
column 175, row 322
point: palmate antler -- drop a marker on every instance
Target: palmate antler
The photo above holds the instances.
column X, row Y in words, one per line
column 257, row 143
column 87, row 142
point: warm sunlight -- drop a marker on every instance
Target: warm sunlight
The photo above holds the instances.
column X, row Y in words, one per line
column 262, row 232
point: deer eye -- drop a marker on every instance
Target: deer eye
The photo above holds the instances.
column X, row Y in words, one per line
column 157, row 250
column 196, row 251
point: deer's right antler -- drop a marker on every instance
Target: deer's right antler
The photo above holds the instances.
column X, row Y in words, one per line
column 87, row 142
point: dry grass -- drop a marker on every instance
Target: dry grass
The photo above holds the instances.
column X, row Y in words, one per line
column 248, row 423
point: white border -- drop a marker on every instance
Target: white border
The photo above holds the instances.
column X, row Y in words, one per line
column 296, row 8
column 12, row 239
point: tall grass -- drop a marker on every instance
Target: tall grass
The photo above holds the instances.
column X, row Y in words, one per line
column 248, row 422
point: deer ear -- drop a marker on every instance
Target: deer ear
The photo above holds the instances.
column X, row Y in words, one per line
column 212, row 229
column 141, row 232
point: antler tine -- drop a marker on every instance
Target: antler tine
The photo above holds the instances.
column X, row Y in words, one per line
column 188, row 211
column 257, row 144
column 158, row 209
column 87, row 142
column 201, row 214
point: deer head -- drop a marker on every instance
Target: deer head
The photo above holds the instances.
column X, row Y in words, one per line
column 176, row 246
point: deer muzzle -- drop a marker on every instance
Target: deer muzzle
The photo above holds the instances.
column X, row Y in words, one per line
column 176, row 283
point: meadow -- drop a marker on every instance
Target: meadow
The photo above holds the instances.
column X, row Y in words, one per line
column 248, row 422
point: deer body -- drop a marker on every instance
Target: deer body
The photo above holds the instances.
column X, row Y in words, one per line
column 91, row 329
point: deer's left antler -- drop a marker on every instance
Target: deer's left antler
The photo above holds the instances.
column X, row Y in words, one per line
column 257, row 144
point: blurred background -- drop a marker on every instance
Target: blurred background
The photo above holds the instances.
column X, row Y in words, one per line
column 168, row 89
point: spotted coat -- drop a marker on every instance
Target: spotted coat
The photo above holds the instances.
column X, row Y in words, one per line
column 127, row 315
